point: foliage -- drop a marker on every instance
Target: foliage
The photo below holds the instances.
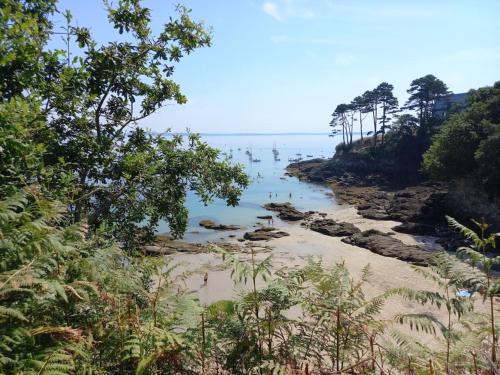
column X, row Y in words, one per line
column 424, row 92
column 467, row 143
column 485, row 284
column 81, row 112
column 403, row 138
column 70, row 305
column 25, row 28
column 388, row 104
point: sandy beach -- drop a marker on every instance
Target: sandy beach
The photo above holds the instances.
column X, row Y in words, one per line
column 292, row 251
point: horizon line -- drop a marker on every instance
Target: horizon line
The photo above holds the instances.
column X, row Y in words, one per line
column 289, row 133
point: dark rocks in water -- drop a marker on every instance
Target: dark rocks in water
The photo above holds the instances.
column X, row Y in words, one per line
column 209, row 224
column 377, row 191
column 264, row 234
column 265, row 217
column 383, row 244
column 332, row 228
column 286, row 211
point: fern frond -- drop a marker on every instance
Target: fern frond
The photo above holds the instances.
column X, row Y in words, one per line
column 421, row 322
column 8, row 312
column 468, row 233
column 145, row 363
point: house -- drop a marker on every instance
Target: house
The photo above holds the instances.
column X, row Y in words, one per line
column 443, row 105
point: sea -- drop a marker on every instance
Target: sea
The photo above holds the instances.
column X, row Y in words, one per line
column 264, row 158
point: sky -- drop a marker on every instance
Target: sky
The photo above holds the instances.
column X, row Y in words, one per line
column 282, row 66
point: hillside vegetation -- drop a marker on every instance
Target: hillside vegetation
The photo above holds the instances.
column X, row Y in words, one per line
column 417, row 141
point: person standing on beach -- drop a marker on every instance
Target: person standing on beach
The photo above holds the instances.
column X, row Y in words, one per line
column 205, row 278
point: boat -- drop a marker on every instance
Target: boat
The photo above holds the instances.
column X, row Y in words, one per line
column 256, row 160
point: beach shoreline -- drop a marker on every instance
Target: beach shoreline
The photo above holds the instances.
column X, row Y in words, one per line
column 293, row 251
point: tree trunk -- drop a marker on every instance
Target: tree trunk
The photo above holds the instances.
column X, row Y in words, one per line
column 374, row 114
column 361, row 124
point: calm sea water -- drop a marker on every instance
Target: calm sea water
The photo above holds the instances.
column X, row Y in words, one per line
column 268, row 183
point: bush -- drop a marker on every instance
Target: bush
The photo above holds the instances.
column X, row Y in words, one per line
column 487, row 158
column 343, row 148
column 451, row 153
column 468, row 144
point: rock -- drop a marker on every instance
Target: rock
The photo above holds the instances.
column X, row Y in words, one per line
column 423, row 203
column 265, row 217
column 420, row 229
column 286, row 211
column 267, row 229
column 383, row 244
column 209, row 224
column 166, row 247
column 332, row 228
column 264, row 234
column 153, row 250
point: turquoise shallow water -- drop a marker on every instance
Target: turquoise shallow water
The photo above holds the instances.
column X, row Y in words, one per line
column 268, row 181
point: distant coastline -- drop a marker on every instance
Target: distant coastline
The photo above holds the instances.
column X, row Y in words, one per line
column 242, row 134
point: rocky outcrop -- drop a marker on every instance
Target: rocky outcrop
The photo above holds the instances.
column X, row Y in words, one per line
column 332, row 228
column 420, row 207
column 264, row 234
column 386, row 245
column 286, row 211
column 164, row 245
column 349, row 169
column 209, row 224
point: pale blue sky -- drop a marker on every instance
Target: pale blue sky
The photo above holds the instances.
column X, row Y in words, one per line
column 283, row 65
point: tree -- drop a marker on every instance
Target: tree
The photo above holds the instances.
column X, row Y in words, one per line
column 361, row 105
column 372, row 100
column 424, row 92
column 343, row 118
column 466, row 145
column 388, row 103
column 405, row 124
column 25, row 28
column 124, row 179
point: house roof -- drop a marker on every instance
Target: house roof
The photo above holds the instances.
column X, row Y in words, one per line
column 444, row 103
